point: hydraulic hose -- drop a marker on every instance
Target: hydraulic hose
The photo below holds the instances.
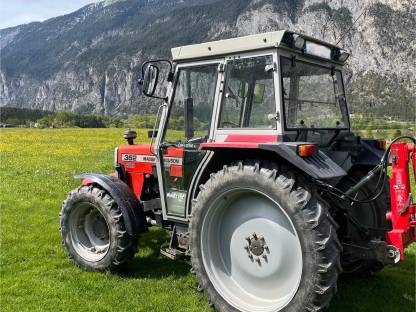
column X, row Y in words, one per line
column 381, row 168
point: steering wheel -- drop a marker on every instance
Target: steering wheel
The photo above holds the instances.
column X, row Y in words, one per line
column 197, row 140
column 230, row 123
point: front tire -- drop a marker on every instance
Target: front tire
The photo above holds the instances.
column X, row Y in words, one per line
column 93, row 230
column 263, row 241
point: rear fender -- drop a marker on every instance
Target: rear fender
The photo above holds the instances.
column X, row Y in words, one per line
column 318, row 166
column 130, row 206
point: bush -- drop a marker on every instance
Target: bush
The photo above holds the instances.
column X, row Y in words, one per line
column 65, row 119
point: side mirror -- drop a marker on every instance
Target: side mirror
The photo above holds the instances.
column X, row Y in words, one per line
column 150, row 80
column 189, row 118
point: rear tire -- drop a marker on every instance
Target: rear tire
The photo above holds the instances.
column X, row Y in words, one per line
column 93, row 230
column 372, row 215
column 243, row 201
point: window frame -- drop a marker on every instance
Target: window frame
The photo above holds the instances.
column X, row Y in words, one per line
column 328, row 66
column 172, row 96
column 163, row 128
column 276, row 126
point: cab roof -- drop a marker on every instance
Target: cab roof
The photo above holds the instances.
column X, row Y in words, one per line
column 272, row 39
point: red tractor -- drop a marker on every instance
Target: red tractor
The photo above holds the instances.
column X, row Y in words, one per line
column 255, row 172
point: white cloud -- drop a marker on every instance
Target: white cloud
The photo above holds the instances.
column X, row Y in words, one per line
column 16, row 12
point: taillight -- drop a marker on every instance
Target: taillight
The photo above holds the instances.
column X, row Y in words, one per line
column 306, row 150
column 381, row 144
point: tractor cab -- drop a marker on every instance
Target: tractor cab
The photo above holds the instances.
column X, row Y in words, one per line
column 241, row 92
column 275, row 84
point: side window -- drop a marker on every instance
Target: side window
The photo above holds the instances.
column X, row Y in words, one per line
column 191, row 111
column 248, row 98
column 313, row 96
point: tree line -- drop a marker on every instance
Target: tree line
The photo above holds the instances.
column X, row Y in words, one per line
column 23, row 117
column 12, row 116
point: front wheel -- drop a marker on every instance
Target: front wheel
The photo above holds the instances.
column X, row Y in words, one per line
column 93, row 230
column 262, row 241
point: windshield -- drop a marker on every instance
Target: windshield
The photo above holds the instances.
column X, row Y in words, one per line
column 313, row 96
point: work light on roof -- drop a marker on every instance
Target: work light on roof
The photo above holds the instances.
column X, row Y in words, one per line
column 343, row 56
column 299, row 42
column 318, row 50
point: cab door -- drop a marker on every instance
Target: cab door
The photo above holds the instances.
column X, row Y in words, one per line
column 186, row 125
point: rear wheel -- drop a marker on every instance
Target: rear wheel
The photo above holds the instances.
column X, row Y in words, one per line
column 93, row 230
column 371, row 215
column 262, row 241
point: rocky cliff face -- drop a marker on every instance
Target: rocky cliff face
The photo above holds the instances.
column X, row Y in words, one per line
column 89, row 60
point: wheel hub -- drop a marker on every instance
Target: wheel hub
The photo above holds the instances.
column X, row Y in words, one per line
column 99, row 227
column 257, row 248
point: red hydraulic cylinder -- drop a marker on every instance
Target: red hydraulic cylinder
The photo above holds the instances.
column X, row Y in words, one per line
column 402, row 214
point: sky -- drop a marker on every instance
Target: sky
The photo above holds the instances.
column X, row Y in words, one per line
column 16, row 12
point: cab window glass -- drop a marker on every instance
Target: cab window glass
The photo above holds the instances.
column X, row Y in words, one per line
column 248, row 98
column 192, row 105
column 313, row 96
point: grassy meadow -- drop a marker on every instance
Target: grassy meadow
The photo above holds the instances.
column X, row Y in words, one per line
column 36, row 169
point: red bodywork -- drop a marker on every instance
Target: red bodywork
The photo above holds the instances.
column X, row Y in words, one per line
column 241, row 141
column 139, row 161
column 402, row 214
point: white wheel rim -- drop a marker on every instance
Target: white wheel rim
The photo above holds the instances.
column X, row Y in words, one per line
column 89, row 232
column 230, row 251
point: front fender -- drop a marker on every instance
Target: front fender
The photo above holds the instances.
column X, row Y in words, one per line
column 130, row 206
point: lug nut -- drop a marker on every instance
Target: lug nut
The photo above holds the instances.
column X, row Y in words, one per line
column 258, row 260
column 255, row 236
column 265, row 257
column 266, row 248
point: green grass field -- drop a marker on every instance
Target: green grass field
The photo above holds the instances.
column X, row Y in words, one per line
column 35, row 275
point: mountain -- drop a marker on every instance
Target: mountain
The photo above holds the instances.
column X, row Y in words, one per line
column 89, row 60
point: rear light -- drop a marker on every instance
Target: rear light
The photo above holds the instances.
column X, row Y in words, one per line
column 306, row 150
column 381, row 144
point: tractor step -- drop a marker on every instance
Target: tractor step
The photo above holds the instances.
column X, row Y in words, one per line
column 171, row 253
column 178, row 246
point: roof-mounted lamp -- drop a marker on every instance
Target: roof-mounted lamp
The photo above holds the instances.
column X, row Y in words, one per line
column 343, row 56
column 298, row 42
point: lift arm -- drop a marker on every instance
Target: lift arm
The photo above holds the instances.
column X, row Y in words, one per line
column 402, row 215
